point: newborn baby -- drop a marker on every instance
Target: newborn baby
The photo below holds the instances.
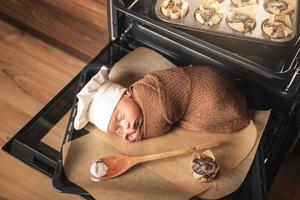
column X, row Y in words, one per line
column 195, row 98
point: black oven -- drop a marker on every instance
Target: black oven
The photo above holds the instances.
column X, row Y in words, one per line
column 267, row 75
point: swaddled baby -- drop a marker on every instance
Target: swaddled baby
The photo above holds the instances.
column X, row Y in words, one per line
column 195, row 98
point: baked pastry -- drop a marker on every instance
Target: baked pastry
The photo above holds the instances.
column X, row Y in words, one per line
column 208, row 13
column 277, row 27
column 239, row 3
column 174, row 9
column 279, row 7
column 204, row 166
column 242, row 19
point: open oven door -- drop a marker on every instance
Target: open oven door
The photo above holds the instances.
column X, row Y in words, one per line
column 130, row 28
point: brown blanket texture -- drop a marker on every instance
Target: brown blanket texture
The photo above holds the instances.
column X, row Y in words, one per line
column 197, row 98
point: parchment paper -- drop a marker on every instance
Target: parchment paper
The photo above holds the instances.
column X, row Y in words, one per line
column 168, row 178
column 163, row 179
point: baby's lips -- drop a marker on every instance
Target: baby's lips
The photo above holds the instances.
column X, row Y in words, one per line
column 125, row 137
column 132, row 137
column 129, row 137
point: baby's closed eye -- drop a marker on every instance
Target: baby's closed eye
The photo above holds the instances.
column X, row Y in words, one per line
column 119, row 130
column 119, row 116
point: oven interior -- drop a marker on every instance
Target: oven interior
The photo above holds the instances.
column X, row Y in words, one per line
column 268, row 53
column 272, row 65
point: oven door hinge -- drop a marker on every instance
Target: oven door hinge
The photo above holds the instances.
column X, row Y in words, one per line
column 296, row 73
column 123, row 36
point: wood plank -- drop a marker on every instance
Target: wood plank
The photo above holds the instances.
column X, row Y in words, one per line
column 89, row 10
column 31, row 73
column 18, row 181
column 81, row 25
column 287, row 183
column 54, row 137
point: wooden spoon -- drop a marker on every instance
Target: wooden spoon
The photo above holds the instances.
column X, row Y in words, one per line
column 118, row 164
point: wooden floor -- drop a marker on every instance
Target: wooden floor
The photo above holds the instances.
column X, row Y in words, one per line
column 31, row 73
column 287, row 183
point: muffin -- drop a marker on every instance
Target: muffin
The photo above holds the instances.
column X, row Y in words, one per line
column 279, row 7
column 240, row 3
column 204, row 166
column 242, row 19
column 277, row 27
column 174, row 9
column 208, row 13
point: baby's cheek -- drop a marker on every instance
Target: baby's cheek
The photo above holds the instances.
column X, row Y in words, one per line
column 117, row 133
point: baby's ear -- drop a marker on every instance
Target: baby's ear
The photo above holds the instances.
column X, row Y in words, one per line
column 128, row 93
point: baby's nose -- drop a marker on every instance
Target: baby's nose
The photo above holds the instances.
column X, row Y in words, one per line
column 126, row 124
column 129, row 130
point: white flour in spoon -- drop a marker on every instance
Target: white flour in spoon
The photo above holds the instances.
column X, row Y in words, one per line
column 97, row 170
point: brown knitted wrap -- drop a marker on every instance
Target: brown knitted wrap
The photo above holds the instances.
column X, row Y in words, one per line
column 145, row 93
column 198, row 98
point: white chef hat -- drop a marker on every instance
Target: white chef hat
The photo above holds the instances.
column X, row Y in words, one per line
column 97, row 101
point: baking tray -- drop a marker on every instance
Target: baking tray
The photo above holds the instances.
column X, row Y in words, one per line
column 253, row 187
column 253, row 49
column 189, row 21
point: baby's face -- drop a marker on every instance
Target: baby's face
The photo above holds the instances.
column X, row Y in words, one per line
column 126, row 119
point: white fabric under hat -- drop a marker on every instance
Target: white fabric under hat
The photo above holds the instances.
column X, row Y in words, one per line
column 97, row 101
